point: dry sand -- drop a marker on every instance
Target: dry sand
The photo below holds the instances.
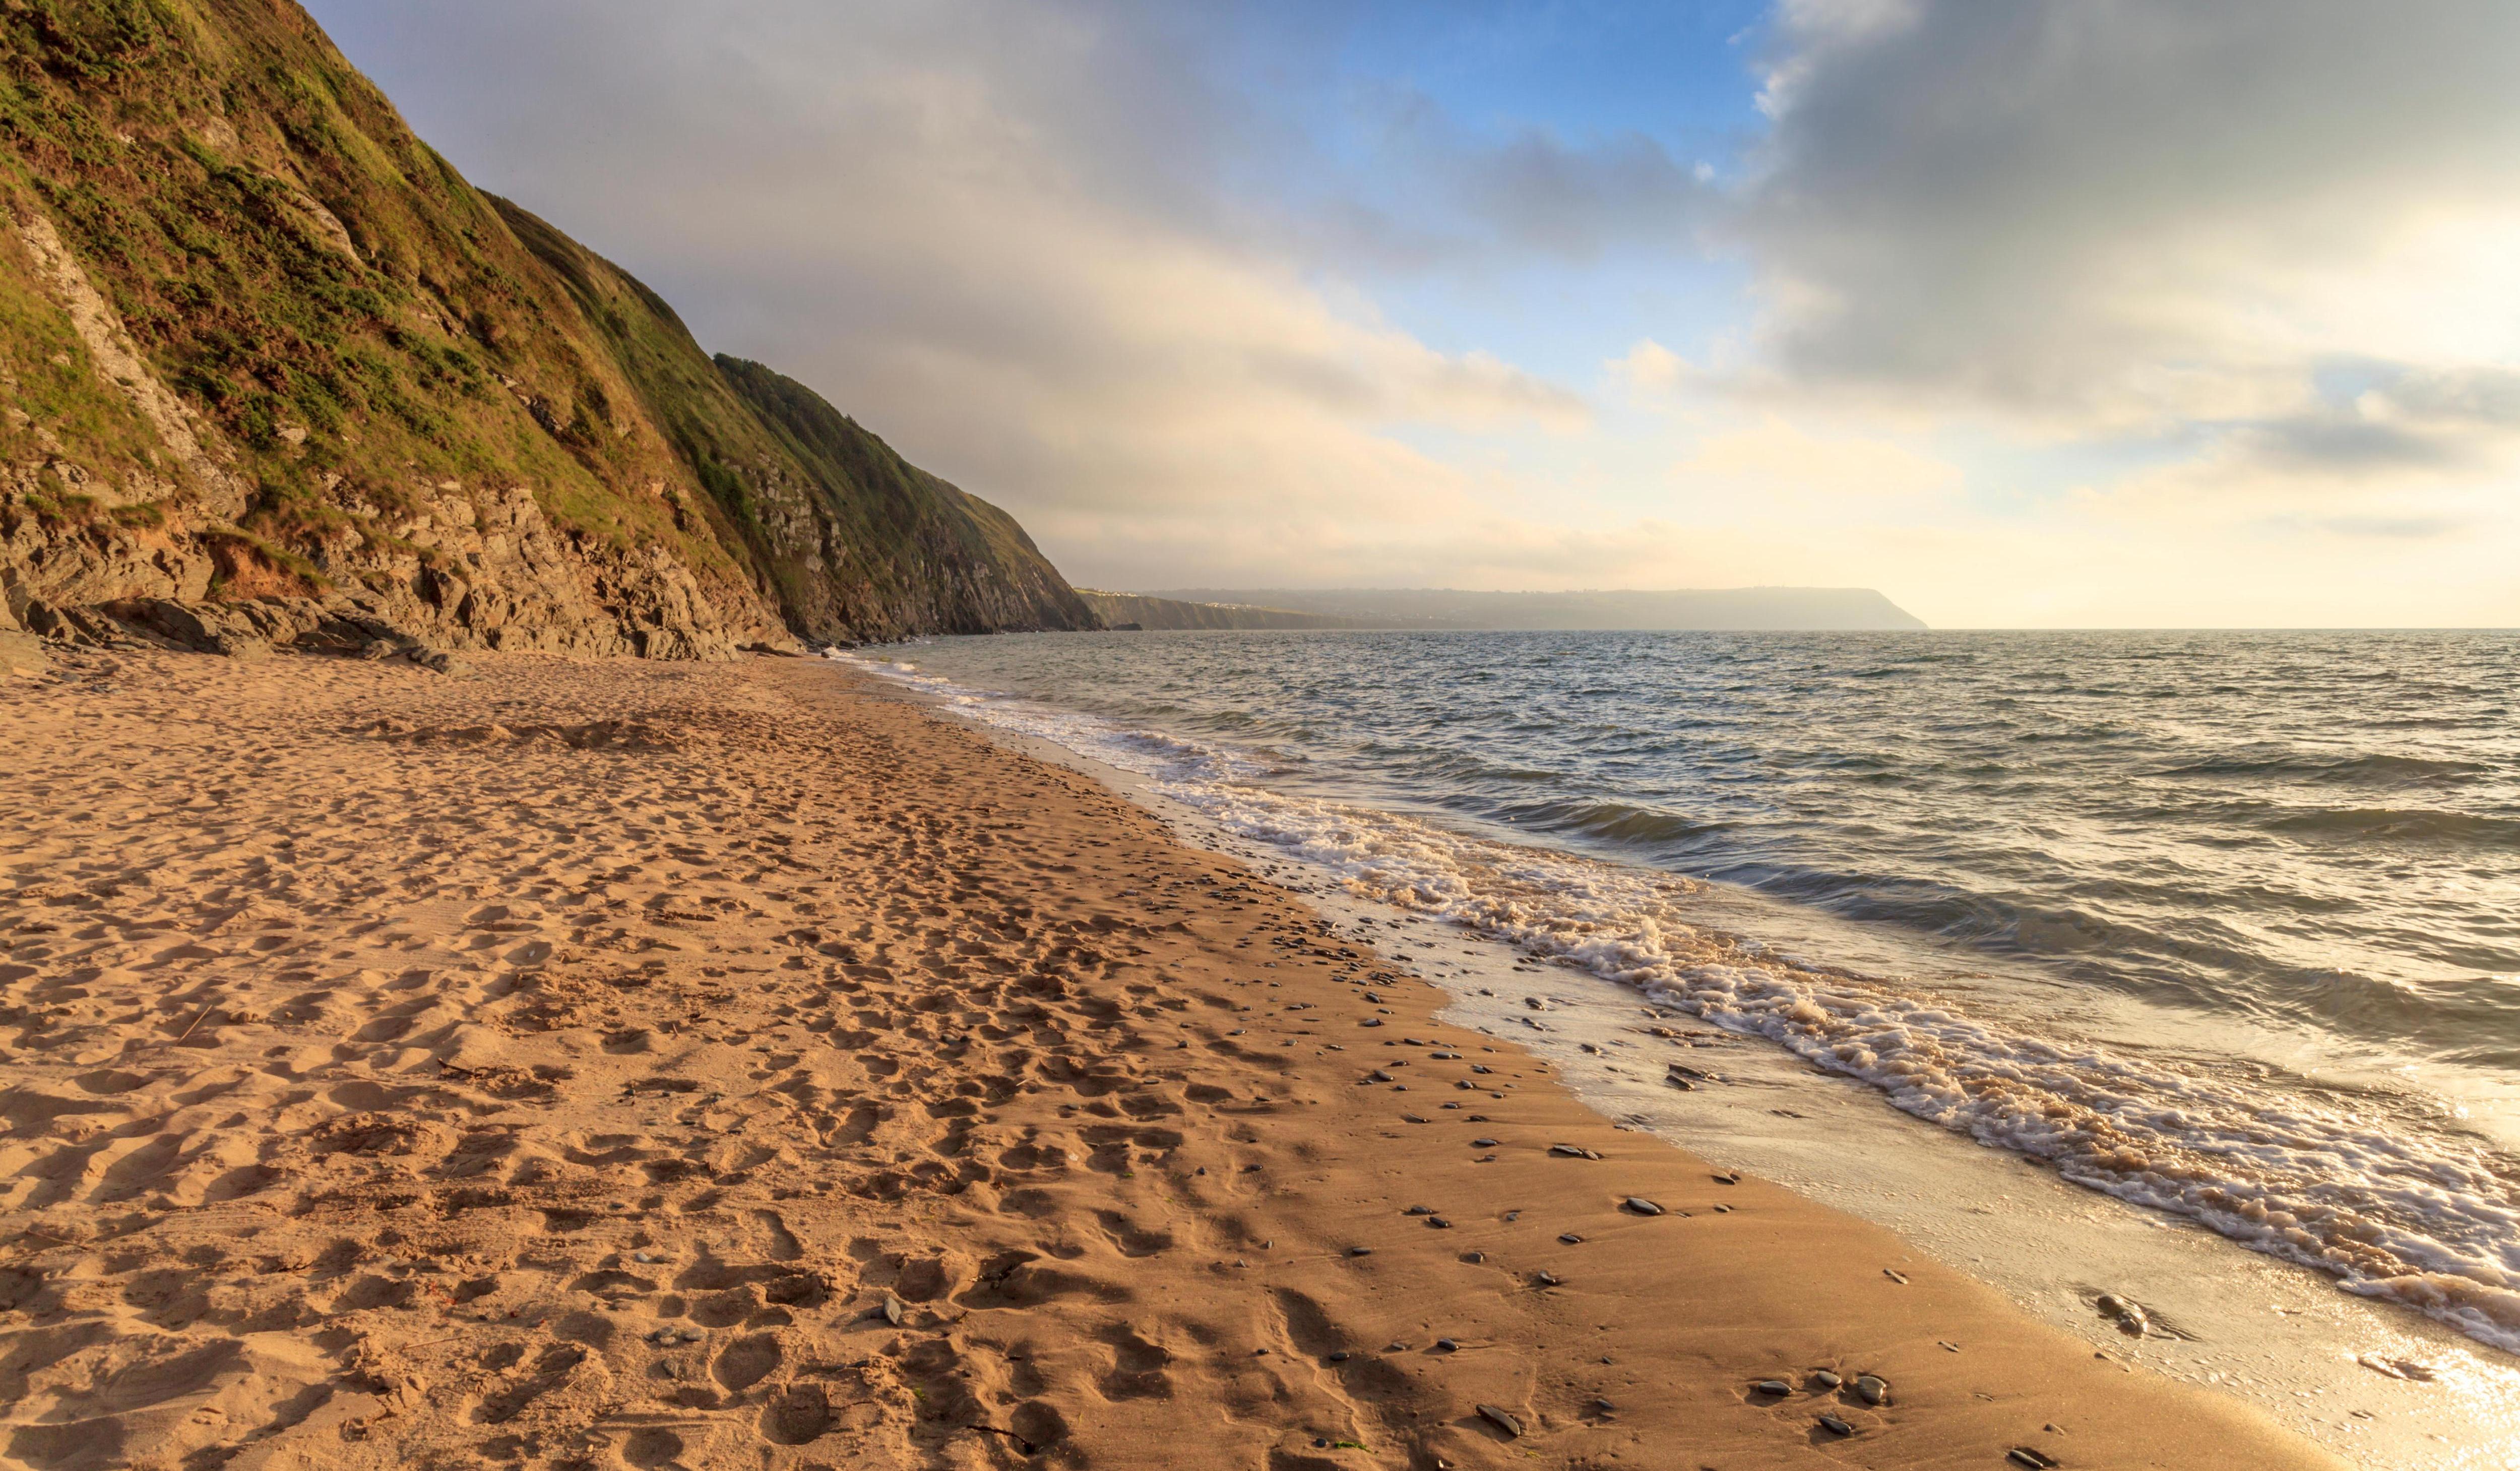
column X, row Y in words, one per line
column 588, row 1065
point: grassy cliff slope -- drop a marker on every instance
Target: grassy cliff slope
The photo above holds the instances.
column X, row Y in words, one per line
column 258, row 344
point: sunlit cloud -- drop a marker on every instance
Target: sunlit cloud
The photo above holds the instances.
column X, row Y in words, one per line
column 2045, row 311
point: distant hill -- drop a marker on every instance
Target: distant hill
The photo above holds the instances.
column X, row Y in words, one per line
column 270, row 366
column 1741, row 607
column 1126, row 610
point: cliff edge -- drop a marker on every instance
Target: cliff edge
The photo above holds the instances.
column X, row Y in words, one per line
column 272, row 372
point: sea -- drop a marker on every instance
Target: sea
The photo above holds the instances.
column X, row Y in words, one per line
column 2222, row 926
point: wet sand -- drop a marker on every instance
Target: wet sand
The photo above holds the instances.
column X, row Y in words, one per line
column 602, row 1065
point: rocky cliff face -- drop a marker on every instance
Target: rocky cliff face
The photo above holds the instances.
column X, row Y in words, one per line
column 270, row 371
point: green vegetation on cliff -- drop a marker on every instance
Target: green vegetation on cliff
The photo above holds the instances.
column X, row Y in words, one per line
column 246, row 315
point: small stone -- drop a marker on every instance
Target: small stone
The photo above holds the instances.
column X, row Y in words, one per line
column 1370, row 1021
column 1729, row 1178
column 646, row 1257
column 1893, row 1277
column 1643, row 1206
column 892, row 1310
column 1827, row 1378
column 1449, row 1346
column 1872, row 1389
column 1379, row 1076
column 2036, row 1460
column 1420, row 1210
column 1360, row 1250
column 1570, row 1238
column 1439, row 1223
column 1474, row 1257
column 1341, row 1357
column 1395, row 1347
column 2125, row 1313
column 1483, row 1143
column 1835, row 1426
column 1572, row 1152
column 1771, row 1387
column 1549, row 1280
column 1499, row 1418
column 1604, row 1405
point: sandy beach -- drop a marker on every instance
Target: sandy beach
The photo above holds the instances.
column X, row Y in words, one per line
column 587, row 1064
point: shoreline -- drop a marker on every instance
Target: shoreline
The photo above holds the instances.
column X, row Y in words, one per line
column 2281, row 1337
column 634, row 1065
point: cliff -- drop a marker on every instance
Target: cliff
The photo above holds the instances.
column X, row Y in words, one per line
column 1128, row 609
column 271, row 371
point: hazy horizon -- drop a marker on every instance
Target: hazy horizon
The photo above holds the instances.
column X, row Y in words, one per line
column 2145, row 315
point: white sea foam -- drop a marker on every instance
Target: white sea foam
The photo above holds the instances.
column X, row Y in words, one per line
column 2416, row 1216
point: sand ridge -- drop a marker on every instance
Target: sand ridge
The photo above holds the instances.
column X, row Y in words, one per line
column 605, row 1063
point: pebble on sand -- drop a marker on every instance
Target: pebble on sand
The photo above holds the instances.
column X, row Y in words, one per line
column 1502, row 1420
column 1643, row 1206
column 1873, row 1388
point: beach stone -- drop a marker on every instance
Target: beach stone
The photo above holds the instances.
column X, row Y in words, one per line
column 1827, row 1378
column 1548, row 1280
column 1570, row 1238
column 1771, row 1387
column 1448, row 1345
column 1502, row 1420
column 2125, row 1313
column 2036, row 1460
column 1483, row 1143
column 22, row 654
column 1572, row 1152
column 1643, row 1206
column 1360, row 1250
column 1872, row 1389
column 892, row 1310
column 1341, row 1357
column 1439, row 1223
column 1835, row 1426
column 1420, row 1210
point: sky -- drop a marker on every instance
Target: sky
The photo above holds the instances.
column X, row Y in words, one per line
column 2048, row 314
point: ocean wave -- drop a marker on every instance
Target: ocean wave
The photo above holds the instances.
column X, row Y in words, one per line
column 2371, row 770
column 1614, row 821
column 2391, row 1207
column 2398, row 824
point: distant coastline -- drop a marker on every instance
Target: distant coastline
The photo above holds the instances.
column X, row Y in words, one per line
column 1800, row 609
